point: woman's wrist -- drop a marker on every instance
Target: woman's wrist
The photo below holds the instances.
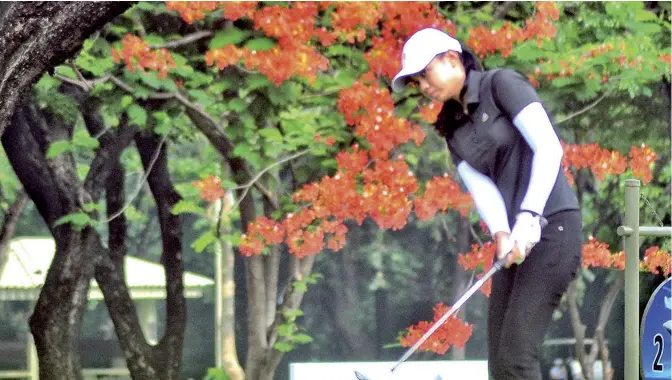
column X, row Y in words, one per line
column 500, row 234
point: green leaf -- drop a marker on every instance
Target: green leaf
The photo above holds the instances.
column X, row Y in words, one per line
column 647, row 92
column 145, row 5
column 201, row 97
column 186, row 207
column 228, row 184
column 227, row 37
column 234, row 239
column 300, row 286
column 137, row 114
column 216, row 374
column 642, row 15
column 204, row 241
column 161, row 116
column 562, row 82
column 47, row 83
column 260, row 44
column 77, row 219
column 301, row 338
column 292, row 313
column 151, row 79
column 271, row 134
column 237, row 105
column 86, row 141
column 153, row 39
column 66, row 71
column 283, row 346
column 411, row 158
column 126, row 100
column 82, row 171
column 198, row 79
column 257, row 81
column 285, row 329
column 95, row 65
column 88, row 207
column 220, row 85
column 59, row 146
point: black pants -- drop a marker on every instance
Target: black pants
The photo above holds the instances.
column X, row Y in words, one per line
column 524, row 297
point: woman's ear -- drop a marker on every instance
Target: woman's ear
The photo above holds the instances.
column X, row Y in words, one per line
column 454, row 58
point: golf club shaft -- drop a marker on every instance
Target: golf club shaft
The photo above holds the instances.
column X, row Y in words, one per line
column 496, row 267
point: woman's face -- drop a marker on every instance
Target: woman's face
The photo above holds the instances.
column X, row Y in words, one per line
column 443, row 78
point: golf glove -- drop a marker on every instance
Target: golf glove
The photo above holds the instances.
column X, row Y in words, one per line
column 526, row 232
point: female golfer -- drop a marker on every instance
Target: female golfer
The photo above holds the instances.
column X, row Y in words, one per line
column 508, row 155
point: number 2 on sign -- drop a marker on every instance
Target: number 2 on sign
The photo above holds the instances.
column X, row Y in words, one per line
column 658, row 341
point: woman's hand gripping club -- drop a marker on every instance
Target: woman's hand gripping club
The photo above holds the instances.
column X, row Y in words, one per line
column 525, row 234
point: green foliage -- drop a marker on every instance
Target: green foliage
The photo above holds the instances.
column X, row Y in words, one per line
column 184, row 207
column 203, row 241
column 216, row 374
column 260, row 44
column 137, row 115
column 78, row 220
column 228, row 36
column 289, row 334
column 301, row 285
column 80, row 142
column 96, row 65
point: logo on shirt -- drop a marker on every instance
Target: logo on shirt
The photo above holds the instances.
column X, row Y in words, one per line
column 484, row 117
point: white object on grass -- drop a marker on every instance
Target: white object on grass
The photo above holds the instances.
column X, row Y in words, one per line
column 416, row 370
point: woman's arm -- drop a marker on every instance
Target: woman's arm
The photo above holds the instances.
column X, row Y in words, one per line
column 487, row 198
column 535, row 126
column 518, row 98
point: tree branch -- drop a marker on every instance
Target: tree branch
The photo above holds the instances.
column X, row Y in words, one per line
column 605, row 311
column 581, row 111
column 11, row 219
column 110, row 276
column 166, row 197
column 300, row 268
column 183, row 41
column 578, row 327
column 141, row 183
column 79, row 74
column 502, row 9
column 246, row 187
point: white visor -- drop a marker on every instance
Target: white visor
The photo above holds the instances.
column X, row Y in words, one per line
column 419, row 51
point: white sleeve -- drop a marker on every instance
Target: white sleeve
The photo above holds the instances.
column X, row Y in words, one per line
column 535, row 126
column 487, row 198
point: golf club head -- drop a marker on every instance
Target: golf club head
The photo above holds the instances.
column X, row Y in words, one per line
column 378, row 376
column 359, row 376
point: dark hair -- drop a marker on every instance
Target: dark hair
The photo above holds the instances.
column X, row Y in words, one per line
column 452, row 114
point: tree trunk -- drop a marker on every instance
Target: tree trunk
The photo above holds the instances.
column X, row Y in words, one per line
column 345, row 299
column 57, row 318
column 227, row 320
column 56, row 191
column 587, row 359
column 146, row 362
column 291, row 300
column 382, row 321
column 169, row 349
column 36, row 36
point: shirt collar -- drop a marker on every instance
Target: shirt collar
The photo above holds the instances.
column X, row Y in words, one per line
column 473, row 87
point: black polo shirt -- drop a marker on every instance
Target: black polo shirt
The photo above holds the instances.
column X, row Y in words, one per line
column 487, row 139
